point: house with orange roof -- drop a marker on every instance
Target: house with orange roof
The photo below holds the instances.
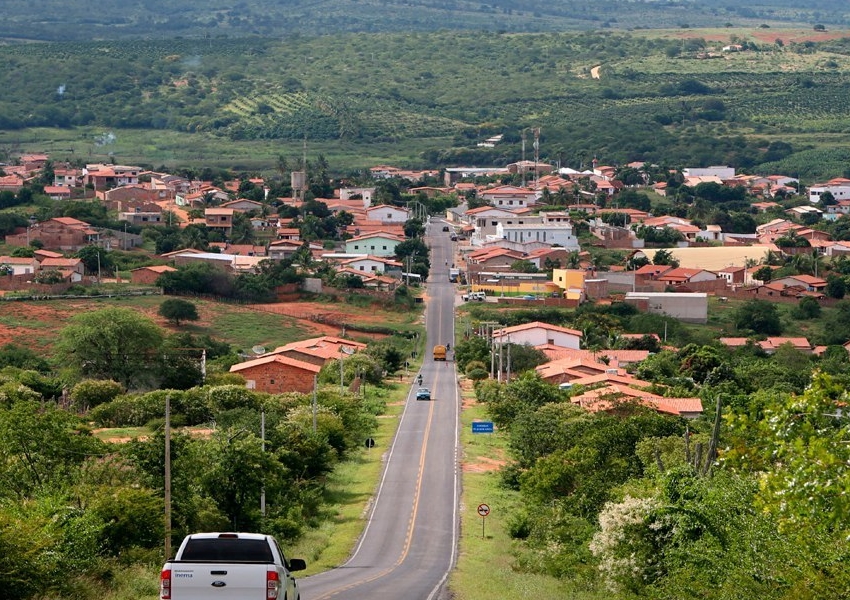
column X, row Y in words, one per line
column 292, row 234
column 492, row 259
column 765, row 206
column 735, row 276
column 537, row 333
column 277, row 374
column 11, row 183
column 60, row 233
column 384, row 172
column 540, row 256
column 149, row 275
column 364, row 227
column 650, row 273
column 559, row 372
column 616, row 397
column 771, row 344
column 68, row 177
column 239, row 249
column 282, row 249
column 837, row 248
column 101, row 176
column 681, row 275
column 18, row 265
column 220, row 219
column 319, row 350
column 58, row 192
column 808, row 282
column 614, row 357
column 67, row 266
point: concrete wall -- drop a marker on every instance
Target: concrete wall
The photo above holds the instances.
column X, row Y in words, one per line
column 692, row 308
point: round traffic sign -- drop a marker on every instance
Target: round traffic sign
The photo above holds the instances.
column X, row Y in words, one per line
column 483, row 510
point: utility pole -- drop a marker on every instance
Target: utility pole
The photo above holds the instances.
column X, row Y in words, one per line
column 167, row 477
column 341, row 380
column 501, row 345
column 263, row 438
column 508, row 378
column 315, row 404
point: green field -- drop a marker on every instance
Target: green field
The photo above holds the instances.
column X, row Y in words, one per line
column 666, row 96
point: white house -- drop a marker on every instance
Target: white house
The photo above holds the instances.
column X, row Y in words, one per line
column 378, row 243
column 387, row 214
column 560, row 234
column 721, row 172
column 18, row 265
column 539, row 334
column 510, row 197
column 839, row 188
column 486, row 219
column 372, row 264
column 359, row 193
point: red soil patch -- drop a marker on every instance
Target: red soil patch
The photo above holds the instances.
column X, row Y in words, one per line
column 797, row 36
column 484, row 465
column 324, row 320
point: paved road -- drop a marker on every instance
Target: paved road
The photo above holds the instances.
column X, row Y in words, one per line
column 410, row 540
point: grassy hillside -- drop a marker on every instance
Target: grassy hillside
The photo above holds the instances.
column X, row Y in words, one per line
column 427, row 99
column 114, row 19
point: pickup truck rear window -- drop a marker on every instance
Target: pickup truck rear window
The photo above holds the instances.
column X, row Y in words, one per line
column 217, row 550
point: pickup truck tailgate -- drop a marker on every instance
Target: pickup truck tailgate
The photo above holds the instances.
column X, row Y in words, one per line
column 194, row 581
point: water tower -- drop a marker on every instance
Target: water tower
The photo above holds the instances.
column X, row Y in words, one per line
column 298, row 181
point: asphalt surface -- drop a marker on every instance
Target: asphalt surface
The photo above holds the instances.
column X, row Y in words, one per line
column 409, row 544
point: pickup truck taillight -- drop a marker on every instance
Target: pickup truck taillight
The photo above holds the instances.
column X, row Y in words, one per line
column 272, row 585
column 165, row 584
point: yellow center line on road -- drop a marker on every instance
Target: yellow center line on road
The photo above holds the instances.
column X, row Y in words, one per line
column 411, row 526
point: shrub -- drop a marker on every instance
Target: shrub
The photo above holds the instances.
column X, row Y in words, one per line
column 94, row 392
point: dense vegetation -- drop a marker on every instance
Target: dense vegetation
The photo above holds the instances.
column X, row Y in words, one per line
column 746, row 502
column 654, row 100
column 77, row 511
column 111, row 19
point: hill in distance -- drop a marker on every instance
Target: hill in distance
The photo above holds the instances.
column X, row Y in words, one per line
column 68, row 20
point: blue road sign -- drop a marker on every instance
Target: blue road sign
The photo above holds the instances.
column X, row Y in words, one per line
column 482, row 427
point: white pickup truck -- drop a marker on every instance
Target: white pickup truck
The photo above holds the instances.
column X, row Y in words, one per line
column 230, row 566
column 474, row 296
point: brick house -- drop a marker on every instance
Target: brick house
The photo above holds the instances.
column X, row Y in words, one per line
column 149, row 275
column 277, row 374
column 61, row 233
column 219, row 219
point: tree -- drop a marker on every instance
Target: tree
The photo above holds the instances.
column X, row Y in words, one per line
column 523, row 266
column 665, row 257
column 413, row 228
column 763, row 274
column 111, row 343
column 177, row 309
column 472, row 349
column 835, row 286
column 759, row 316
column 807, row 308
column 95, row 259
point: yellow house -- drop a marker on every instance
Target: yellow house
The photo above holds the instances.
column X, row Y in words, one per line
column 570, row 282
